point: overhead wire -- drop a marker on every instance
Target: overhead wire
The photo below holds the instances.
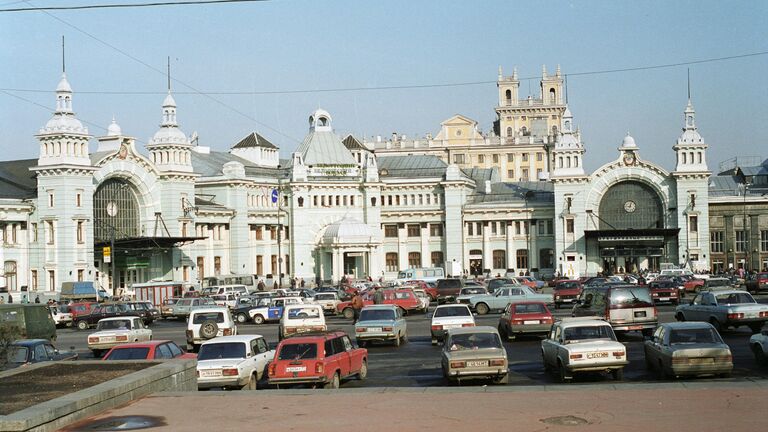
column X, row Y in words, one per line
column 124, row 5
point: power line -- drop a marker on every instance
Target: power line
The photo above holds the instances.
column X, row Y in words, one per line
column 125, row 5
column 397, row 87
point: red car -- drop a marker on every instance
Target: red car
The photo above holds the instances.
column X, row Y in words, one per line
column 664, row 291
column 403, row 297
column 80, row 309
column 150, row 350
column 430, row 289
column 320, row 359
column 566, row 292
column 524, row 318
column 693, row 284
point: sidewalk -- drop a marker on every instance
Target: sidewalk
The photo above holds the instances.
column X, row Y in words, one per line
column 633, row 407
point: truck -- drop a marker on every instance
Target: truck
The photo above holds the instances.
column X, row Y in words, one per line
column 158, row 291
column 79, row 291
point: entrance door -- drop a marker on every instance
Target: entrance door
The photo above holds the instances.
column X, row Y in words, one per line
column 350, row 265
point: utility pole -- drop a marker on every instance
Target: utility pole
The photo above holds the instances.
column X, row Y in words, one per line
column 112, row 259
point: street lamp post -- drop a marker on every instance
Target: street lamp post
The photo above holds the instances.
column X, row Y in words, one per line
column 744, row 226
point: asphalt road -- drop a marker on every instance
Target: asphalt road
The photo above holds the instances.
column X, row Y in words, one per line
column 417, row 363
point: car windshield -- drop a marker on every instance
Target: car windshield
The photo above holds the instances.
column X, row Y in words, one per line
column 630, row 296
column 452, row 311
column 377, row 314
column 17, row 354
column 128, row 354
column 473, row 290
column 304, row 312
column 200, row 318
column 589, row 332
column 114, row 325
column 298, row 351
column 324, row 296
column 530, row 308
column 62, row 308
column 474, row 341
column 170, row 301
column 694, row 336
column 222, row 350
column 734, row 298
column 566, row 285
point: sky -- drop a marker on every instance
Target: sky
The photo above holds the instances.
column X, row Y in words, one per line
column 273, row 52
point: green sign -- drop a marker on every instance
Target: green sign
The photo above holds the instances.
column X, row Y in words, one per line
column 132, row 263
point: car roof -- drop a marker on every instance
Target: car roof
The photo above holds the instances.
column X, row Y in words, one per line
column 313, row 336
column 145, row 344
column 470, row 330
column 210, row 309
column 529, row 302
column 381, row 306
column 29, row 342
column 451, row 305
column 582, row 322
column 728, row 291
column 686, row 325
column 120, row 318
column 236, row 338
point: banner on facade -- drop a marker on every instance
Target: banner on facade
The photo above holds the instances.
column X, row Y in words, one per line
column 106, row 253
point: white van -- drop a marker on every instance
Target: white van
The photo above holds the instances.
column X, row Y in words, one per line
column 426, row 274
column 238, row 290
column 301, row 318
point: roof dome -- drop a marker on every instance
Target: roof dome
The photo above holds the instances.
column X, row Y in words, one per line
column 64, row 85
column 628, row 142
column 348, row 230
column 114, row 129
column 64, row 123
column 169, row 135
column 320, row 120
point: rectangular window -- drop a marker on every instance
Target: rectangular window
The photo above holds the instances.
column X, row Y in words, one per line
column 50, row 199
column 503, row 228
column 538, row 172
column 51, row 232
column 494, row 230
column 480, row 158
column 287, row 268
column 217, row 265
column 569, row 226
column 437, row 258
column 470, row 229
column 517, row 227
column 522, row 258
column 693, row 223
column 185, row 273
column 741, row 241
column 414, row 259
column 33, row 280
column 259, row 264
column 33, row 226
column 458, row 159
column 716, row 241
column 510, row 174
column 499, row 259
column 390, row 231
column 273, row 232
column 510, row 157
column 51, row 280
column 259, row 232
column 391, row 261
column 414, row 230
column 287, row 232
column 539, row 156
column 495, row 158
column 184, row 229
column 525, row 174
column 525, row 157
column 764, row 241
column 80, row 275
column 200, row 267
column 274, row 264
column 79, row 199
column 436, row 230
column 80, row 232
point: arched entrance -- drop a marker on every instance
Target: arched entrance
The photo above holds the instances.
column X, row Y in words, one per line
column 346, row 248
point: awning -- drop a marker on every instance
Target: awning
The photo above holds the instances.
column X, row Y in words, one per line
column 632, row 235
column 149, row 242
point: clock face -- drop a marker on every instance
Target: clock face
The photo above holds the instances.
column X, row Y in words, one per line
column 112, row 208
column 630, row 206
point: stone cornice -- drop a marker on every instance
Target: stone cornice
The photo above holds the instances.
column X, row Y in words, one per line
column 49, row 170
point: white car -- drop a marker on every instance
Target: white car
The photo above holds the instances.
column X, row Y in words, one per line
column 206, row 323
column 233, row 362
column 423, row 298
column 328, row 300
column 229, row 300
column 62, row 319
column 301, row 318
column 758, row 342
column 583, row 344
column 448, row 316
column 115, row 331
column 274, row 310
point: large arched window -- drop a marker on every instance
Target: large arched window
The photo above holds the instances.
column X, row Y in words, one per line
column 552, row 96
column 115, row 208
column 508, row 96
column 631, row 205
column 10, row 273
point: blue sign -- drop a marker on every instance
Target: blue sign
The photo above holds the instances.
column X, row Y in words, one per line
column 274, row 196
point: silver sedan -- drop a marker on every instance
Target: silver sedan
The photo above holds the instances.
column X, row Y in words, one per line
column 687, row 349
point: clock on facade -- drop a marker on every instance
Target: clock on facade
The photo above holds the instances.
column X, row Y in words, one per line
column 630, row 206
column 629, row 158
column 112, row 208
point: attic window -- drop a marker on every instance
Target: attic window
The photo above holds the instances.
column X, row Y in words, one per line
column 322, row 121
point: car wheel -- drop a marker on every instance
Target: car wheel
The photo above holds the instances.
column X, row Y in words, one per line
column 348, row 313
column 241, row 318
column 209, row 329
column 397, row 340
column 760, row 357
column 405, row 338
column 716, row 324
column 618, row 374
column 363, row 374
column 482, row 308
column 756, row 327
column 563, row 373
column 680, row 317
column 501, row 380
column 258, row 319
column 96, row 353
column 502, row 332
column 82, row 325
column 253, row 383
column 334, row 382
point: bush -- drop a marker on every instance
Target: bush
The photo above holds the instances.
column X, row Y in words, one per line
column 9, row 333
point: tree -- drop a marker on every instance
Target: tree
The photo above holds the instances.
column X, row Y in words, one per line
column 9, row 333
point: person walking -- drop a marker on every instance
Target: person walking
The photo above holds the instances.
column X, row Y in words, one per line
column 37, row 299
column 378, row 296
column 24, row 299
column 357, row 306
column 302, row 283
column 10, row 298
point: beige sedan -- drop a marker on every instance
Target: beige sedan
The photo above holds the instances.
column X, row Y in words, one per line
column 687, row 349
column 474, row 353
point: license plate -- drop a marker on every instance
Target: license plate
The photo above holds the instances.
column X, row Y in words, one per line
column 664, row 298
column 107, row 339
column 637, row 327
column 211, row 373
column 374, row 329
column 640, row 314
column 531, row 322
column 705, row 360
column 296, row 369
column 450, row 326
column 477, row 363
column 596, row 355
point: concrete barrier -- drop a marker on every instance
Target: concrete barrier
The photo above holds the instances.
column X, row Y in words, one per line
column 173, row 375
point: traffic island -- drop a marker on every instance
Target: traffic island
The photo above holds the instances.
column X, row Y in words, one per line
column 49, row 396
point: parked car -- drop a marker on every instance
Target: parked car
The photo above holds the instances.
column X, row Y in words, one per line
column 242, row 313
column 576, row 345
column 625, row 307
column 664, row 291
column 148, row 350
column 79, row 309
column 448, row 316
column 448, row 289
column 206, row 323
column 401, row 297
column 273, row 310
column 228, row 299
column 323, row 359
column 429, row 287
column 692, row 284
column 182, row 308
column 468, row 292
column 758, row 343
column 719, row 283
column 381, row 323
column 146, row 310
column 530, row 281
column 33, row 320
column 505, row 295
column 29, row 351
column 233, row 362
column 756, row 282
column 525, row 318
column 115, row 331
column 494, row 284
column 166, row 308
column 301, row 318
column 425, row 299
column 474, row 353
column 566, row 292
column 101, row 311
column 723, row 309
column 328, row 300
column 60, row 317
column 687, row 349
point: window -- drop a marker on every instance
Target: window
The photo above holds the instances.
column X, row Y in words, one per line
column 436, row 258
column 414, row 230
column 273, row 232
column 390, row 231
column 259, row 233
column 391, row 261
column 200, row 267
column 259, row 264
column 539, row 157
column 79, row 199
column 510, row 157
column 80, row 232
column 522, row 258
column 80, row 275
column 33, row 226
column 33, row 280
column 50, row 199
column 741, row 241
column 458, row 159
column 9, row 268
column 511, row 174
column 525, row 157
column 525, row 174
column 545, row 227
column 217, row 265
column 51, row 280
column 435, row 229
column 517, row 227
column 499, row 259
column 716, row 241
column 693, row 224
column 495, row 158
column 480, row 158
column 569, row 226
column 51, row 233
column 414, row 259
column 273, row 264
column 301, row 201
column 494, row 229
column 764, row 241
column 470, row 229
column 184, row 229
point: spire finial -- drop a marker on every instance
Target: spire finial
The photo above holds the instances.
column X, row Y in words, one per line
column 168, row 63
column 566, row 89
column 63, row 58
column 689, row 84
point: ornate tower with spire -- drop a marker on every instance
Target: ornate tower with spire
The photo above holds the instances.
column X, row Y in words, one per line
column 64, row 208
column 169, row 149
column 692, row 177
column 568, row 153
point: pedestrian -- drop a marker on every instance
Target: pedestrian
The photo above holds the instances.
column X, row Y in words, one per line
column 357, row 305
column 37, row 299
column 24, row 299
column 293, row 284
column 378, row 296
column 2, row 299
column 302, row 283
column 260, row 286
column 10, row 298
